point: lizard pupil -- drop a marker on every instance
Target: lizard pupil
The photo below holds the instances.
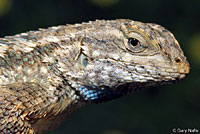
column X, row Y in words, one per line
column 134, row 42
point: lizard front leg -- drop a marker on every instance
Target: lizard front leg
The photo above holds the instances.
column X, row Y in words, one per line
column 21, row 105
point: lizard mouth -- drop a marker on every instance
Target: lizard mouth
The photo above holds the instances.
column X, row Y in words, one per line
column 182, row 70
column 174, row 70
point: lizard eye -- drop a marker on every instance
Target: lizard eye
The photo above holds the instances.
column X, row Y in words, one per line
column 135, row 45
column 134, row 42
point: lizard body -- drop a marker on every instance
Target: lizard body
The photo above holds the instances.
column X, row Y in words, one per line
column 47, row 74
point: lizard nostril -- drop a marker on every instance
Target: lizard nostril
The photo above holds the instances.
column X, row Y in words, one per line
column 177, row 59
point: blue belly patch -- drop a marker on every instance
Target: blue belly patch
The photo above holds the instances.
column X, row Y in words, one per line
column 94, row 94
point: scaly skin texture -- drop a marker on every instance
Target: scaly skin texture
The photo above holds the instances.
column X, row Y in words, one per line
column 45, row 75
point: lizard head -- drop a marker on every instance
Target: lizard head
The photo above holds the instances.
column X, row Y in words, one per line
column 121, row 56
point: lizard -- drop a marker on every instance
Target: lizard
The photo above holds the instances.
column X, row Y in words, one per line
column 47, row 74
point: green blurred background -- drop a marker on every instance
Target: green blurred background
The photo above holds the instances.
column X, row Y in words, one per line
column 155, row 110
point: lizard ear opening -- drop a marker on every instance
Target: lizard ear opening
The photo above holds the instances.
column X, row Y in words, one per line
column 81, row 62
column 84, row 60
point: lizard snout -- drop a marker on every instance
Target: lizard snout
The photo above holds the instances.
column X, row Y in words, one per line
column 184, row 66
